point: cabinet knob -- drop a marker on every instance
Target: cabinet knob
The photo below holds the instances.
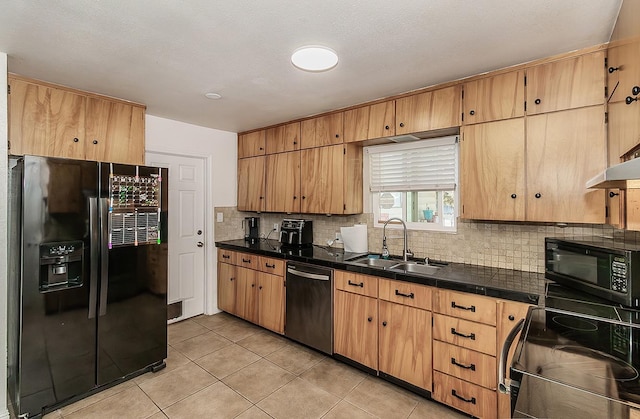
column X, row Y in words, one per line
column 253, row 285
column 384, row 324
column 295, row 142
column 230, row 279
column 472, row 112
column 401, row 124
column 635, row 91
column 95, row 141
column 612, row 69
column 337, row 135
column 261, row 197
column 514, row 196
column 295, row 197
column 512, row 317
column 386, row 127
column 369, row 319
column 612, row 194
column 260, row 287
column 537, row 101
column 304, row 197
column 261, row 149
column 75, row 140
column 629, row 100
column 538, row 195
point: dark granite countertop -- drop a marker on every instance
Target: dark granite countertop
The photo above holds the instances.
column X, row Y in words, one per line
column 528, row 287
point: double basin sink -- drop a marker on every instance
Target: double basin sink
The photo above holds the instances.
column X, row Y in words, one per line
column 397, row 265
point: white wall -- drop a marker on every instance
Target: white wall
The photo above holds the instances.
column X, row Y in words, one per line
column 219, row 148
column 4, row 235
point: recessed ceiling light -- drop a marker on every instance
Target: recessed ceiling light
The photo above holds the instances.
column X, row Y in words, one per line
column 213, row 96
column 314, row 58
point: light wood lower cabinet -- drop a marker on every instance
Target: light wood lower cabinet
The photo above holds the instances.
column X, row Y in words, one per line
column 356, row 328
column 473, row 399
column 252, row 287
column 470, row 335
column 405, row 343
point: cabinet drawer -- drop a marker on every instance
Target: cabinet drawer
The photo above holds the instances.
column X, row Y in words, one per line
column 466, row 306
column 247, row 260
column 466, row 364
column 406, row 293
column 475, row 400
column 271, row 265
column 356, row 283
column 476, row 336
column 227, row 256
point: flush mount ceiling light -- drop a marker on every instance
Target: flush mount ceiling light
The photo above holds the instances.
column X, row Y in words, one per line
column 314, row 58
column 212, row 96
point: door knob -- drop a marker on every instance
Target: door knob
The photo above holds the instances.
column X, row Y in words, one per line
column 200, row 244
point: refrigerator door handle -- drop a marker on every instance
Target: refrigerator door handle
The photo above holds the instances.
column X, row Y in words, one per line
column 104, row 256
column 94, row 243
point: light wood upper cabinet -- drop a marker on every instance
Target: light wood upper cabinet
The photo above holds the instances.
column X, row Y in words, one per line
column 321, row 131
column 331, row 180
column 52, row 121
column 564, row 150
column 114, row 132
column 624, row 129
column 427, row 111
column 566, row 84
column 494, row 98
column 369, row 122
column 283, row 182
column 251, row 177
column 623, row 71
column 252, row 144
column 46, row 121
column 492, row 181
column 283, row 138
column 356, row 328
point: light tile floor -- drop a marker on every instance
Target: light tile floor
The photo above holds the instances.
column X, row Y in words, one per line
column 223, row 367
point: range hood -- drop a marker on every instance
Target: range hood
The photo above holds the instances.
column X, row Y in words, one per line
column 621, row 176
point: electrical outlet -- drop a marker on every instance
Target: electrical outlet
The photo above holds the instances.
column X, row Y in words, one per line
column 275, row 226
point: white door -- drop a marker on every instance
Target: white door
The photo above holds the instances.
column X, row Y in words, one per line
column 186, row 231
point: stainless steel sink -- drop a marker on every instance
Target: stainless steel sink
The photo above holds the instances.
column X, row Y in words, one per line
column 414, row 267
column 376, row 263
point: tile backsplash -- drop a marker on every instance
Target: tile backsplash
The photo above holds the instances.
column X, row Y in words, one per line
column 497, row 244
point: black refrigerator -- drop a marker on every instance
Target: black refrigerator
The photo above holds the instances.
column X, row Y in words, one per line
column 87, row 278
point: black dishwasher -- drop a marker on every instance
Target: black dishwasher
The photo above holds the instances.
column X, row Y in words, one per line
column 309, row 308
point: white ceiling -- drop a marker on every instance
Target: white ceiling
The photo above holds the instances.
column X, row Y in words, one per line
column 168, row 53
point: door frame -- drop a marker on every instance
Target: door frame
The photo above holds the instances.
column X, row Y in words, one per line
column 210, row 289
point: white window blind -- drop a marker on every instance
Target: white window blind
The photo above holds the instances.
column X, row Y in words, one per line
column 428, row 165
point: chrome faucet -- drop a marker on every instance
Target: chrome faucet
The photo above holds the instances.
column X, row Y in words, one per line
column 385, row 251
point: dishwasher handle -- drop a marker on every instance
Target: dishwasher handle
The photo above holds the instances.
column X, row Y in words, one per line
column 308, row 275
column 502, row 368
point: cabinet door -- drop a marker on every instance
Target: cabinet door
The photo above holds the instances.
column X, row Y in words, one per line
column 352, row 179
column 382, row 119
column 564, row 150
column 356, row 328
column 283, row 138
column 227, row 287
column 509, row 313
column 429, row 111
column 321, row 131
column 623, row 71
column 246, row 294
column 321, row 172
column 271, row 302
column 356, row 124
column 624, row 129
column 494, row 98
column 283, row 182
column 251, row 173
column 252, row 144
column 114, row 132
column 46, row 121
column 566, row 84
column 405, row 343
column 492, row 183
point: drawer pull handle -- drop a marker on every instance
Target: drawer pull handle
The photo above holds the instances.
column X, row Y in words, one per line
column 471, row 336
column 356, row 284
column 404, row 295
column 471, row 309
column 471, row 367
column 471, row 400
column 226, row 256
column 270, row 266
column 246, row 260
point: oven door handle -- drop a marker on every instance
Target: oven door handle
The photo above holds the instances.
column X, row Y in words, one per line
column 504, row 355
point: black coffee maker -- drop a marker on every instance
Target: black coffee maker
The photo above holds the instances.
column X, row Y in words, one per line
column 251, row 229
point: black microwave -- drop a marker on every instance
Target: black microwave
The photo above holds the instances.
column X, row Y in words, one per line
column 603, row 267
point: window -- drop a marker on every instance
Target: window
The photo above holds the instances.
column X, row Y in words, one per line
column 415, row 182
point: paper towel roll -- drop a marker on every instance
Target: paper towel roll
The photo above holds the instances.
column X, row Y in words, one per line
column 355, row 238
